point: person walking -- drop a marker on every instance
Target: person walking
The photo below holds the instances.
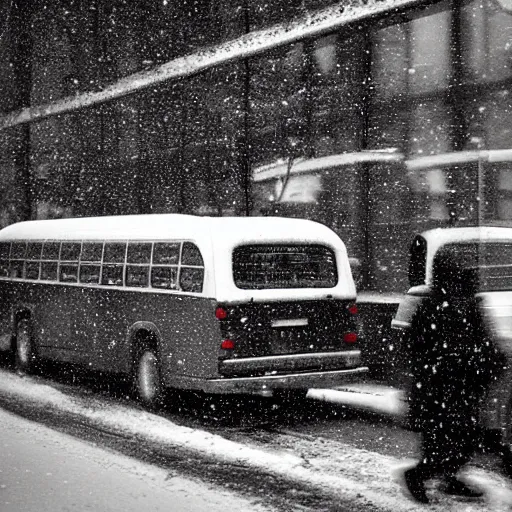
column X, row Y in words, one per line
column 453, row 362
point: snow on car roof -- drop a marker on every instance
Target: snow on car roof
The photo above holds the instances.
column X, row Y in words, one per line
column 441, row 236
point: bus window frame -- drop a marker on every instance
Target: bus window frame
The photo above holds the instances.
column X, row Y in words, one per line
column 102, row 265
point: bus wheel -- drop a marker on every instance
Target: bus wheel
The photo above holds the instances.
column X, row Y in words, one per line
column 147, row 380
column 25, row 358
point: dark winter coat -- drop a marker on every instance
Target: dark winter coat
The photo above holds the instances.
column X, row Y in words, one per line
column 453, row 356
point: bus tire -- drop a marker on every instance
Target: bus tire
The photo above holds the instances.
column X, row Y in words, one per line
column 25, row 355
column 147, row 382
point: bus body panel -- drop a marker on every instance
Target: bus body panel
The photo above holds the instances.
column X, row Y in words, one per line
column 100, row 335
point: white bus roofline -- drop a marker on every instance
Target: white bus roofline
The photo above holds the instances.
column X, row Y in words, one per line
column 279, row 169
column 305, row 166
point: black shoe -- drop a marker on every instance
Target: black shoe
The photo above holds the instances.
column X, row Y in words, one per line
column 457, row 487
column 415, row 485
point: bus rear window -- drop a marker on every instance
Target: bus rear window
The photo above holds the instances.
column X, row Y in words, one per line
column 284, row 266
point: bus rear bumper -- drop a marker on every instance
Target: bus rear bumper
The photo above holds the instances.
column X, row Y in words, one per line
column 264, row 385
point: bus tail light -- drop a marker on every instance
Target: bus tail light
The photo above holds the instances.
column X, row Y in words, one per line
column 352, row 309
column 350, row 337
column 227, row 345
column 221, row 313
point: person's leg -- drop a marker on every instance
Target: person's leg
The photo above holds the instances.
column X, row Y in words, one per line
column 427, row 466
column 460, row 441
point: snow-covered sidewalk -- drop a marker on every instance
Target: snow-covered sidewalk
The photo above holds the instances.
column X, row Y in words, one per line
column 380, row 399
column 334, row 468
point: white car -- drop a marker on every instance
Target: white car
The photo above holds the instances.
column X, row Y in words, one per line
column 490, row 248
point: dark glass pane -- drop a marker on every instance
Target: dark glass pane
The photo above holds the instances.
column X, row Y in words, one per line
column 137, row 275
column 90, row 274
column 139, row 253
column 114, row 252
column 4, row 268
column 112, row 275
column 70, row 251
column 32, row 270
column 191, row 255
column 68, row 273
column 49, row 271
column 34, row 251
column 166, row 253
column 51, row 250
column 18, row 250
column 16, row 269
column 91, row 251
column 164, row 277
column 5, row 248
column 284, row 266
column 191, row 279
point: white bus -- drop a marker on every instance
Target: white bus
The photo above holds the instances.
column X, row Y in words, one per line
column 220, row 305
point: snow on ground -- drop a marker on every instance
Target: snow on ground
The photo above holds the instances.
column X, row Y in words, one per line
column 380, row 399
column 42, row 470
column 332, row 467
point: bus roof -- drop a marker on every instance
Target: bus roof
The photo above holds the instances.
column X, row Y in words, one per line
column 169, row 227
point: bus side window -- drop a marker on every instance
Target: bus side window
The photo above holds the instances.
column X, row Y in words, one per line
column 191, row 255
column 5, row 249
column 18, row 253
column 89, row 274
column 191, row 279
column 139, row 252
column 166, row 254
column 34, row 250
column 51, row 251
column 164, row 273
column 164, row 277
column 112, row 275
column 70, row 251
column 138, row 258
column 137, row 275
column 68, row 273
column 69, row 255
column 32, row 270
column 50, row 256
column 91, row 252
column 49, row 271
column 90, row 259
column 114, row 255
column 114, row 252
